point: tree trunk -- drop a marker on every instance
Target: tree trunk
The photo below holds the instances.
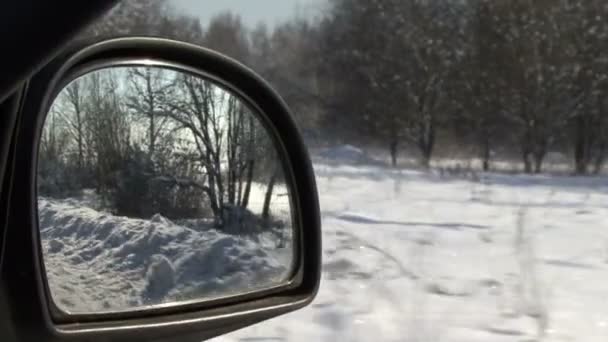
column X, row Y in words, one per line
column 268, row 196
column 426, row 161
column 600, row 138
column 80, row 133
column 486, row 165
column 538, row 162
column 426, row 142
column 248, row 181
column 426, row 151
column 250, row 166
column 231, row 187
column 152, row 142
column 231, row 173
column 150, row 99
column 580, row 165
column 231, row 146
column 213, row 196
column 239, row 190
column 600, row 158
column 527, row 161
column 582, row 146
column 80, row 152
column 393, row 151
column 598, row 165
column 486, row 156
column 219, row 181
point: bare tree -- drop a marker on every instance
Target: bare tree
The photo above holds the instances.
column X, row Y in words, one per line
column 537, row 74
column 149, row 91
column 110, row 128
column 394, row 64
column 75, row 118
column 584, row 33
column 226, row 34
column 241, row 139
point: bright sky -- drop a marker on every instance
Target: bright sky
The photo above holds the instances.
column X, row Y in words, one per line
column 252, row 12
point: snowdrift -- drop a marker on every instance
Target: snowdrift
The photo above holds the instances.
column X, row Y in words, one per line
column 99, row 262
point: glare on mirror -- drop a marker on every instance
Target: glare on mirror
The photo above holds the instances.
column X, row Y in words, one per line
column 158, row 187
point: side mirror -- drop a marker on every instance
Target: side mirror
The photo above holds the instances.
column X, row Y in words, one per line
column 162, row 193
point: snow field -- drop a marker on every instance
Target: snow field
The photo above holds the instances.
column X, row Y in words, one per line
column 407, row 256
column 412, row 256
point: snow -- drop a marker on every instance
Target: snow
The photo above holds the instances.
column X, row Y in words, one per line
column 407, row 256
column 414, row 256
column 97, row 262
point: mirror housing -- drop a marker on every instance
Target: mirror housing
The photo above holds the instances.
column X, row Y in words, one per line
column 25, row 295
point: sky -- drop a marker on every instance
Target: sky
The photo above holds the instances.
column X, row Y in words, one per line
column 252, row 12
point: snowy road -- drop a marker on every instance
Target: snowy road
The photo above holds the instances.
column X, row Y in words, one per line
column 410, row 256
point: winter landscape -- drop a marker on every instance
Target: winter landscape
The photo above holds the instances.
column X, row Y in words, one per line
column 97, row 262
column 157, row 187
column 459, row 148
column 416, row 256
column 408, row 256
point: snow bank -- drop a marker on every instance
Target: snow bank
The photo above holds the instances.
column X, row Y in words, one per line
column 97, row 262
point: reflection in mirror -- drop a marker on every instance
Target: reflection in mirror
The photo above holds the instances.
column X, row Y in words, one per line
column 158, row 187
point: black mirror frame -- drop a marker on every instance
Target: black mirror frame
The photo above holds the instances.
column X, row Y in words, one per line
column 24, row 291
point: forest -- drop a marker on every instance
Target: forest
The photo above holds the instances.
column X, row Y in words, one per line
column 509, row 79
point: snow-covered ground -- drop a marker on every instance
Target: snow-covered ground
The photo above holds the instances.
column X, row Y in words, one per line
column 99, row 262
column 413, row 256
column 408, row 256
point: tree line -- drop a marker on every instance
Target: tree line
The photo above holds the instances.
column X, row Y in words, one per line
column 514, row 79
column 154, row 141
column 489, row 74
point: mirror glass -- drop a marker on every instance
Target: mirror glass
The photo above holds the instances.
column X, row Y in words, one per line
column 158, row 187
